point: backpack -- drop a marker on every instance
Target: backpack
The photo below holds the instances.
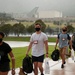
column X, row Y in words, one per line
column 55, row 55
column 27, row 64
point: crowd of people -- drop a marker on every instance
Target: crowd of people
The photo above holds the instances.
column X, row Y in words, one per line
column 38, row 42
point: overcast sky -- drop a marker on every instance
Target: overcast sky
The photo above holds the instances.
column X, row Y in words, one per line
column 67, row 7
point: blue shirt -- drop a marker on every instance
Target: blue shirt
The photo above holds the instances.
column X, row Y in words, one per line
column 63, row 39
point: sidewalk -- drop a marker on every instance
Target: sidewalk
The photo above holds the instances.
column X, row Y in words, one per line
column 22, row 44
column 55, row 68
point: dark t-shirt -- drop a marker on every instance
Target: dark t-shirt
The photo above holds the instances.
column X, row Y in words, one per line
column 4, row 50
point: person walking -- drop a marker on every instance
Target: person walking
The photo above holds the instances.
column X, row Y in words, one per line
column 6, row 50
column 38, row 41
column 63, row 39
column 73, row 41
column 73, row 44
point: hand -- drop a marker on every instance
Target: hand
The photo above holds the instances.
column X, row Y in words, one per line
column 26, row 54
column 13, row 72
column 46, row 54
column 55, row 46
column 71, row 48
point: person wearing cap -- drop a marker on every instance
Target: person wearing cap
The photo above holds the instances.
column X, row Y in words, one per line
column 63, row 39
column 38, row 41
column 6, row 50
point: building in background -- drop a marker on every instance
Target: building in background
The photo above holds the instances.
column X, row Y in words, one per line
column 31, row 14
column 49, row 14
column 35, row 13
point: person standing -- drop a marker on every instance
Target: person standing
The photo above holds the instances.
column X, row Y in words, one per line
column 63, row 39
column 5, row 50
column 38, row 41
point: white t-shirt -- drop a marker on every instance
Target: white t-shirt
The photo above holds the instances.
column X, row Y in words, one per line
column 38, row 43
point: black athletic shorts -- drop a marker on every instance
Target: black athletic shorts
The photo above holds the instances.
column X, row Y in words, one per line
column 38, row 59
column 4, row 67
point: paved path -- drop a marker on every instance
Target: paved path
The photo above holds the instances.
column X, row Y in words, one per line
column 55, row 68
column 22, row 44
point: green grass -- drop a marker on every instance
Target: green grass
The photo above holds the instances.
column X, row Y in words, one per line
column 50, row 39
column 20, row 53
column 17, row 38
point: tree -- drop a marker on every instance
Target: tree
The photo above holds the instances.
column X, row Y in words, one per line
column 6, row 28
column 18, row 29
column 49, row 30
column 30, row 29
column 70, row 28
column 57, row 22
column 68, row 23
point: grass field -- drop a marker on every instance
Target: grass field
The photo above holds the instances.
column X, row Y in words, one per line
column 20, row 52
column 17, row 38
column 50, row 39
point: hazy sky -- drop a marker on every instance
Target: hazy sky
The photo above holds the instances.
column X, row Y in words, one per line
column 67, row 7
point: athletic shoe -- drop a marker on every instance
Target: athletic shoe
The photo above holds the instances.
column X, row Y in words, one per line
column 62, row 66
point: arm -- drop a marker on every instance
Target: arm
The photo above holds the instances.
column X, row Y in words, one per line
column 72, row 37
column 70, row 43
column 57, row 40
column 46, row 46
column 29, row 47
column 13, row 62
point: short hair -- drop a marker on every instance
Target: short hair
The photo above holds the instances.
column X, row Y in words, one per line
column 37, row 23
column 65, row 27
column 2, row 34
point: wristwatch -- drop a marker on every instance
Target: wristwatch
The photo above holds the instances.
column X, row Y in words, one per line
column 13, row 68
column 47, row 53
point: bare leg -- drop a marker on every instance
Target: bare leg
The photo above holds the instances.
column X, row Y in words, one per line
column 40, row 67
column 3, row 73
column 62, row 54
column 35, row 68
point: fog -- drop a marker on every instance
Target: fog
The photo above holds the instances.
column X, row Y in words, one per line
column 22, row 6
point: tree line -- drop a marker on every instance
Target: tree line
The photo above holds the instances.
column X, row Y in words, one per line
column 19, row 28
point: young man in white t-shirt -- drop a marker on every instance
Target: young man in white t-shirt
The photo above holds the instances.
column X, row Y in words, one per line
column 38, row 41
